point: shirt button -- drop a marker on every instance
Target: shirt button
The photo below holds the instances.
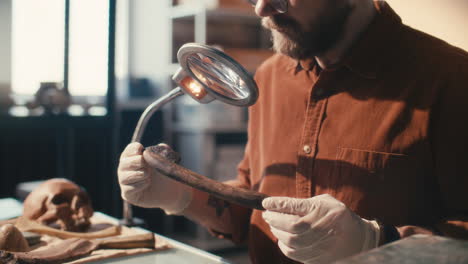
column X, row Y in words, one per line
column 307, row 149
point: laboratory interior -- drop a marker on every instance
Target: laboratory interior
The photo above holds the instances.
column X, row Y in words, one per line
column 82, row 79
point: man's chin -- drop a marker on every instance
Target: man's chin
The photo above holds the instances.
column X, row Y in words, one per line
column 286, row 37
column 284, row 45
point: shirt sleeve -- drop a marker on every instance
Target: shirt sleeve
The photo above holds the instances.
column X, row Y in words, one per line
column 450, row 153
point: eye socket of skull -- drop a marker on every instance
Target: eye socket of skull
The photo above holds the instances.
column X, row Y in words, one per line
column 59, row 199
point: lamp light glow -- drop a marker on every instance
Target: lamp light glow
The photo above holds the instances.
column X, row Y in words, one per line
column 194, row 87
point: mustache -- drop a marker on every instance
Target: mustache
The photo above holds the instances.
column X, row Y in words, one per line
column 281, row 23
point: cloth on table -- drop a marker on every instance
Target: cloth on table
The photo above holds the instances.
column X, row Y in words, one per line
column 98, row 222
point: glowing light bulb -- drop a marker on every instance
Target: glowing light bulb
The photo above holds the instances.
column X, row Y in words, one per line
column 195, row 88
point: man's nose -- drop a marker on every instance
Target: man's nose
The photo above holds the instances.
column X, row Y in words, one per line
column 263, row 8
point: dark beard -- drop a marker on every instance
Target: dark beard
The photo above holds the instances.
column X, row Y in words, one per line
column 289, row 38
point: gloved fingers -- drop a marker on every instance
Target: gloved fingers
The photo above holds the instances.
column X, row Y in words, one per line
column 134, row 182
column 293, row 241
column 287, row 251
column 132, row 163
column 135, row 188
column 285, row 222
column 133, row 194
column 133, row 178
column 300, row 206
column 320, row 229
column 132, row 149
column 288, row 205
column 314, row 210
column 296, row 254
column 309, row 254
column 312, row 237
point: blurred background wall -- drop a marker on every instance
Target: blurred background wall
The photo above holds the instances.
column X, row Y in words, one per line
column 445, row 19
column 5, row 43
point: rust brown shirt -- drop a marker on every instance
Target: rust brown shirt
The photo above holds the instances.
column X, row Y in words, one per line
column 385, row 132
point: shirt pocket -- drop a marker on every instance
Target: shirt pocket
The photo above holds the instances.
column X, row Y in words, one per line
column 379, row 165
column 372, row 183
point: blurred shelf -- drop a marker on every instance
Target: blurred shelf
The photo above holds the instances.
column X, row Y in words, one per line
column 181, row 11
column 55, row 121
column 185, row 11
column 135, row 103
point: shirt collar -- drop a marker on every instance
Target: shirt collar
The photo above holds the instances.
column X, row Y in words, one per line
column 296, row 66
column 375, row 44
column 307, row 64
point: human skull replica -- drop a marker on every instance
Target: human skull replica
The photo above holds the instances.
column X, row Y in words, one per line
column 60, row 202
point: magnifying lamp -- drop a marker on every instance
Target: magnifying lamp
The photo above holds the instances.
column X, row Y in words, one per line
column 205, row 74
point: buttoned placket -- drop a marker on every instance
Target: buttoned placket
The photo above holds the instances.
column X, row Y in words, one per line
column 314, row 117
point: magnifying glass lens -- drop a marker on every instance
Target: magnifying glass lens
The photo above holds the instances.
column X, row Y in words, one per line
column 220, row 78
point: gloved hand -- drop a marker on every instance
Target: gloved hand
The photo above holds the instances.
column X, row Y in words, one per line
column 320, row 229
column 145, row 187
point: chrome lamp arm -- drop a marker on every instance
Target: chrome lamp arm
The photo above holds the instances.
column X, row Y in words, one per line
column 138, row 134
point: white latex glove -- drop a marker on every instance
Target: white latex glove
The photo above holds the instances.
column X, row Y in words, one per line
column 145, row 187
column 320, row 229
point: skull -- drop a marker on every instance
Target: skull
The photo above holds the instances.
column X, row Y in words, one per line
column 59, row 202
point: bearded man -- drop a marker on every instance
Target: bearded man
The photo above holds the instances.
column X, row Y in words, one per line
column 358, row 136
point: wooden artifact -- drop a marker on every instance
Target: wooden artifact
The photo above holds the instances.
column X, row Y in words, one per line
column 74, row 248
column 156, row 159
